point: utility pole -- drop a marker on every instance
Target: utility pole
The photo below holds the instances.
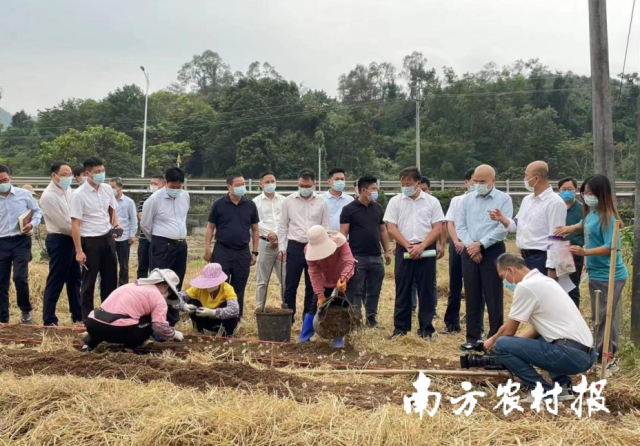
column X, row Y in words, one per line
column 144, row 132
column 319, row 167
column 418, row 126
column 601, row 91
column 635, row 289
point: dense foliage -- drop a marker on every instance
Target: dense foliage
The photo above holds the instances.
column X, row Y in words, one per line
column 217, row 121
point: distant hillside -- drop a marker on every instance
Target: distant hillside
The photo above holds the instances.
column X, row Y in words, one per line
column 5, row 118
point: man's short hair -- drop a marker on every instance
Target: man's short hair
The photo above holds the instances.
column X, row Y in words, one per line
column 509, row 259
column 232, row 176
column 412, row 173
column 92, row 162
column 174, row 174
column 334, row 171
column 158, row 177
column 564, row 180
column 469, row 174
column 265, row 173
column 116, row 180
column 55, row 167
column 4, row 169
column 307, row 174
column 78, row 171
column 425, row 180
column 366, row 181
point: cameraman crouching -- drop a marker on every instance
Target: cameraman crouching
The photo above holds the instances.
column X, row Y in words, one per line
column 557, row 340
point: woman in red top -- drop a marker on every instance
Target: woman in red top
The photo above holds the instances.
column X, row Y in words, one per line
column 331, row 265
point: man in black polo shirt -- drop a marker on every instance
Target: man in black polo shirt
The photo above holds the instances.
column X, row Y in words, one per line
column 567, row 188
column 236, row 219
column 362, row 222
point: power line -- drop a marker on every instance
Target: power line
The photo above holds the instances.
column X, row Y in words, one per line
column 624, row 64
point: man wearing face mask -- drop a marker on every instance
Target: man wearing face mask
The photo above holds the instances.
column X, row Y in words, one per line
column 15, row 244
column 93, row 215
column 362, row 221
column 300, row 211
column 541, row 212
column 557, row 340
column 335, row 197
column 80, row 175
column 164, row 223
column 63, row 268
column 128, row 218
column 414, row 219
column 483, row 241
column 234, row 219
column 567, row 188
column 269, row 204
column 144, row 246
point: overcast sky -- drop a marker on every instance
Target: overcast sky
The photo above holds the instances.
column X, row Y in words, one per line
column 52, row 50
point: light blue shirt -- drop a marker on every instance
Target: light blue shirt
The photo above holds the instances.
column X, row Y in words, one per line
column 127, row 217
column 165, row 216
column 335, row 207
column 13, row 206
column 474, row 223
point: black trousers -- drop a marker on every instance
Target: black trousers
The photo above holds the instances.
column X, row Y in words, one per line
column 63, row 270
column 131, row 336
column 314, row 301
column 482, row 279
column 452, row 315
column 225, row 327
column 123, row 249
column 168, row 254
column 236, row 263
column 296, row 265
column 537, row 261
column 16, row 252
column 574, row 294
column 101, row 259
column 144, row 258
column 423, row 272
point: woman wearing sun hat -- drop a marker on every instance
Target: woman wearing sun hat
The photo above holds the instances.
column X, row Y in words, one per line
column 212, row 302
column 331, row 265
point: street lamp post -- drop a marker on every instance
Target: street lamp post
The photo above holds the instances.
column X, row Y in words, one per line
column 144, row 132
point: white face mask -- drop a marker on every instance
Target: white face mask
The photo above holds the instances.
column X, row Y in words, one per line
column 214, row 289
column 153, row 188
column 528, row 187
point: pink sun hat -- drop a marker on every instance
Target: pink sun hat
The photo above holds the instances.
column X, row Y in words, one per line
column 322, row 243
column 211, row 276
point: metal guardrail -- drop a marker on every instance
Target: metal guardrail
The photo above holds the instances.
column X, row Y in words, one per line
column 217, row 186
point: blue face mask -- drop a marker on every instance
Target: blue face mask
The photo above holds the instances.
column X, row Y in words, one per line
column 473, row 188
column 5, row 187
column 174, row 193
column 409, row 191
column 65, row 182
column 269, row 188
column 508, row 285
column 305, row 191
column 373, row 196
column 99, row 178
column 591, row 201
column 115, row 191
column 338, row 185
column 568, row 195
column 239, row 191
column 482, row 189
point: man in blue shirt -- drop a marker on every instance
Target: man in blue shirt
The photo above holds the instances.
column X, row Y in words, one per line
column 484, row 243
column 335, row 197
column 15, row 244
column 128, row 219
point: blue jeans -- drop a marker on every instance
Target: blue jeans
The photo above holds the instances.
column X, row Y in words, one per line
column 366, row 284
column 520, row 355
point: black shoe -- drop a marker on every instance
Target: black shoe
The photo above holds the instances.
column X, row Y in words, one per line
column 75, row 319
column 451, row 329
column 471, row 346
column 397, row 334
column 26, row 317
column 426, row 336
column 51, row 324
column 371, row 322
column 4, row 321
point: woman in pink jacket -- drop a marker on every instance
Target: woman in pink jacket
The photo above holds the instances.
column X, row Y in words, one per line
column 331, row 265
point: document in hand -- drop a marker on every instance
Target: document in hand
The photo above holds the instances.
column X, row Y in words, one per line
column 25, row 218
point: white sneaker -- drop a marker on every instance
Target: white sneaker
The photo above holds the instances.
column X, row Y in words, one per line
column 530, row 399
column 567, row 393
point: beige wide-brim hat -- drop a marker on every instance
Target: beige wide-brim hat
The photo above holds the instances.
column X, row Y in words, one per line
column 322, row 243
column 164, row 276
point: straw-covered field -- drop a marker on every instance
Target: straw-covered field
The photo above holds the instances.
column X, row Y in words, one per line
column 237, row 391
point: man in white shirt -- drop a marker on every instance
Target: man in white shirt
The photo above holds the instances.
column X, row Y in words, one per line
column 93, row 216
column 63, row 268
column 336, row 197
column 557, row 340
column 541, row 212
column 456, row 247
column 269, row 204
column 414, row 220
column 300, row 211
column 164, row 223
column 15, row 244
column 128, row 218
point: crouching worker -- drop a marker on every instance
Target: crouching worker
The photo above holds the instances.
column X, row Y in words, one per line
column 133, row 312
column 331, row 265
column 211, row 302
column 557, row 340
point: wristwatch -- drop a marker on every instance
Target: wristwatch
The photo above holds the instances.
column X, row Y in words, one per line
column 255, row 253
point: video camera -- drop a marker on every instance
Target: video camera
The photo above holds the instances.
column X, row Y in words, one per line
column 487, row 362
